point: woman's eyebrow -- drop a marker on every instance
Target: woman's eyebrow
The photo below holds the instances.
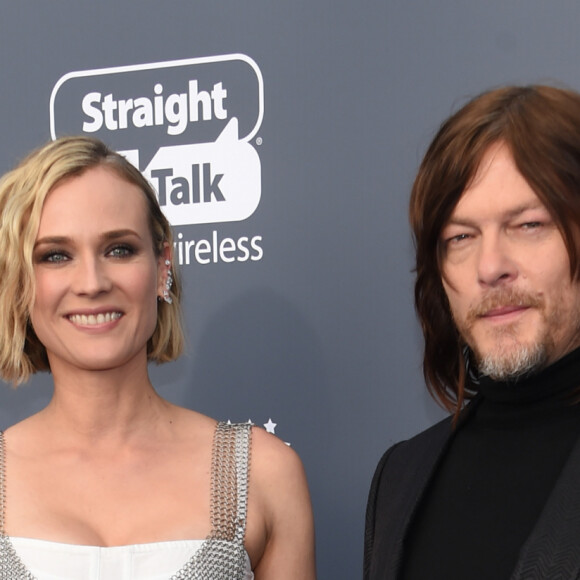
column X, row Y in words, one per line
column 112, row 235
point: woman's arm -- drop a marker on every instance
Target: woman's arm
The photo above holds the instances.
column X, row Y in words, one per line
column 279, row 494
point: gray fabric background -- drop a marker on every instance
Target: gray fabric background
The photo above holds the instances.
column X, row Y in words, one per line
column 320, row 334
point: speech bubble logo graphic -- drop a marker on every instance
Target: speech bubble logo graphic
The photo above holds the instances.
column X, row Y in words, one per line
column 187, row 124
column 207, row 182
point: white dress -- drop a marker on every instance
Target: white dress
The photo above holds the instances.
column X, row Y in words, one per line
column 221, row 556
column 155, row 561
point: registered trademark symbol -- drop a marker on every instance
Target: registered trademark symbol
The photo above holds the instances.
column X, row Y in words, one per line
column 258, row 140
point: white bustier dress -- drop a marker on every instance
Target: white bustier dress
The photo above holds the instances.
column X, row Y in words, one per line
column 221, row 556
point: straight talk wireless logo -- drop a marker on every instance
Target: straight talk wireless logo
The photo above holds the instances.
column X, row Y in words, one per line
column 188, row 125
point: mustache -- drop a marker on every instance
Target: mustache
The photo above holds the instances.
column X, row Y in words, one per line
column 502, row 298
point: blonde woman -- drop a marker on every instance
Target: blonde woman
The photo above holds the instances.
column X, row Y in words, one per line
column 110, row 480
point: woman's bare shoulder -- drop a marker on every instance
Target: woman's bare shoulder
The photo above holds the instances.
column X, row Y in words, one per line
column 192, row 420
column 279, row 493
column 24, row 434
column 272, row 454
column 276, row 473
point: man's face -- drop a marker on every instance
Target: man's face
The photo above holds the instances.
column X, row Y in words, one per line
column 506, row 273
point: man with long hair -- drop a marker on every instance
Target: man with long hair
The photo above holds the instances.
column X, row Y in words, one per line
column 492, row 492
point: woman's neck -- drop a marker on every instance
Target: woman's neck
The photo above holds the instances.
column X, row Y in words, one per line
column 114, row 405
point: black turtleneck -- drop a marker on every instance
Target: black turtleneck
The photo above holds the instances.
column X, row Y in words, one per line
column 496, row 476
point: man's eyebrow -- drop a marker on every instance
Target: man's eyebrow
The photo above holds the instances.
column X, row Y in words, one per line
column 512, row 213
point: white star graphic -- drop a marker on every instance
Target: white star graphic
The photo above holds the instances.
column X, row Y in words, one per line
column 270, row 426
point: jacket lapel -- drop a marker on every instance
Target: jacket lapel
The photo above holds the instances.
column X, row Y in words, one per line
column 398, row 485
column 553, row 548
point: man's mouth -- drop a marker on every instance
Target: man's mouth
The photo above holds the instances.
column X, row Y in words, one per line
column 506, row 310
column 504, row 306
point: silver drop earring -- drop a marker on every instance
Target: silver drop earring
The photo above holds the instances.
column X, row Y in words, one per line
column 168, row 284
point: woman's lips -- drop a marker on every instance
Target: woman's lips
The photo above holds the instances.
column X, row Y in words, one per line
column 94, row 319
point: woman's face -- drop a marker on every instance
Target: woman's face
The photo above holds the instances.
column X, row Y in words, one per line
column 97, row 276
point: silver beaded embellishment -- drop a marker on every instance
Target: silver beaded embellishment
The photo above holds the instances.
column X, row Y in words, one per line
column 222, row 555
column 168, row 284
column 11, row 566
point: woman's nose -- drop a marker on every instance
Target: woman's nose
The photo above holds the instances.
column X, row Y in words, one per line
column 91, row 277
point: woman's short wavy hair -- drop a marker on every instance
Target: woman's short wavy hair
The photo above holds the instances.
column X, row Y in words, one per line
column 22, row 194
column 541, row 127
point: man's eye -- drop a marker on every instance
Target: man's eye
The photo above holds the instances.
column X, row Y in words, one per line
column 456, row 239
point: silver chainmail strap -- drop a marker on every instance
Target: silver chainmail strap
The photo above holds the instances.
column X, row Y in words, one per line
column 222, row 555
column 11, row 566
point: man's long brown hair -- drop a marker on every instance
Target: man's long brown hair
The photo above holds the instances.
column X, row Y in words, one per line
column 540, row 125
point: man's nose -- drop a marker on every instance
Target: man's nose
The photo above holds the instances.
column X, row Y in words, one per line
column 495, row 264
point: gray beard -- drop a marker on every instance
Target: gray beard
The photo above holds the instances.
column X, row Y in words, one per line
column 525, row 359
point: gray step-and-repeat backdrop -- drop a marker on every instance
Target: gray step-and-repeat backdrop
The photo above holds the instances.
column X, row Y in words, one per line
column 282, row 138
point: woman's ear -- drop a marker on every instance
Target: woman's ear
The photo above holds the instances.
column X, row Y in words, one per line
column 165, row 274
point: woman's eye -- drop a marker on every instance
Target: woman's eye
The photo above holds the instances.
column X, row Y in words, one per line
column 54, row 257
column 121, row 251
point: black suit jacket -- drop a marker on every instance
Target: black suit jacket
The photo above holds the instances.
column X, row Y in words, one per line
column 552, row 551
